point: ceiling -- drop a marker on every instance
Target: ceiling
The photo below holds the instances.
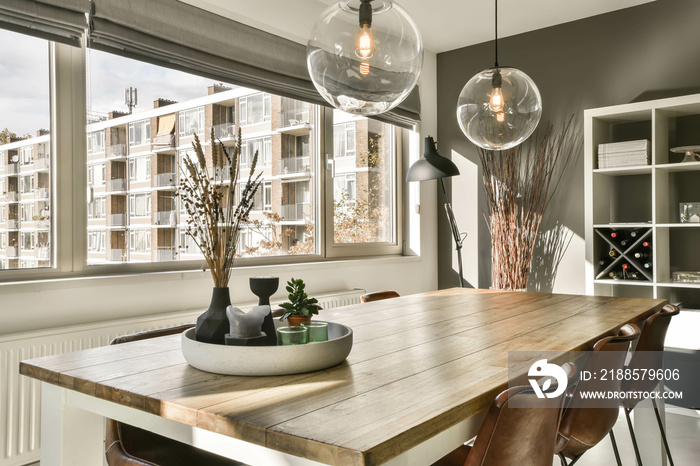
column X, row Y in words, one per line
column 444, row 24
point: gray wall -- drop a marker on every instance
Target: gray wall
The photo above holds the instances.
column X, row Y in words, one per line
column 641, row 53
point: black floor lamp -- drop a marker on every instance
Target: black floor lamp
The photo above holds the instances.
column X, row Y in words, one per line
column 433, row 166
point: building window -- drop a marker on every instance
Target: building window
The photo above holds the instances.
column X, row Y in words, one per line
column 255, row 109
column 140, row 205
column 97, row 174
column 263, row 146
column 96, row 142
column 96, row 241
column 140, row 241
column 140, row 132
column 26, row 155
column 140, row 168
column 97, row 208
column 27, row 212
column 192, row 122
column 26, row 184
column 26, row 241
column 344, row 140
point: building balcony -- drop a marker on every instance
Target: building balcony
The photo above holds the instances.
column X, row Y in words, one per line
column 12, row 224
column 116, row 151
column 43, row 163
column 116, row 185
column 116, row 255
column 164, row 143
column 42, row 193
column 43, row 253
column 295, row 122
column 295, row 212
column 12, row 251
column 43, row 223
column 165, row 218
column 220, row 173
column 12, row 168
column 165, row 180
column 165, row 253
column 295, row 165
column 11, row 196
column 116, row 220
column 226, row 132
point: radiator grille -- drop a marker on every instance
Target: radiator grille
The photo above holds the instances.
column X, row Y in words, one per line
column 20, row 397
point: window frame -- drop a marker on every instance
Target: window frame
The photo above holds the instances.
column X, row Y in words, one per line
column 68, row 152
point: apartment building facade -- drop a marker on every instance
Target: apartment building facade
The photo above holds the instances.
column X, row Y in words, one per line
column 134, row 169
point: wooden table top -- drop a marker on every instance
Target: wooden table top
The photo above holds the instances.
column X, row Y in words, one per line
column 419, row 365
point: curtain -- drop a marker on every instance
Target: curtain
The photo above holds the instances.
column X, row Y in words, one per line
column 57, row 20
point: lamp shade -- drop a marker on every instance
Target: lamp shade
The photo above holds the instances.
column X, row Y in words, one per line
column 364, row 57
column 499, row 108
column 432, row 165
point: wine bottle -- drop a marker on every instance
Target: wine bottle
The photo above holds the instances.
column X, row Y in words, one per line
column 615, row 275
column 646, row 244
column 647, row 265
column 634, row 275
column 625, row 266
column 618, row 234
column 603, row 262
column 636, row 233
column 613, row 253
column 642, row 255
column 625, row 242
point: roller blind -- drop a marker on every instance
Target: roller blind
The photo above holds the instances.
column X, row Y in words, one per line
column 177, row 35
column 57, row 20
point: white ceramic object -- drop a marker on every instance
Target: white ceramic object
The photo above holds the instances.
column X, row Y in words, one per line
column 268, row 360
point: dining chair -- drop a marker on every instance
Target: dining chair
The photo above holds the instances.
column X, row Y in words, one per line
column 648, row 356
column 583, row 425
column 127, row 445
column 378, row 295
column 514, row 435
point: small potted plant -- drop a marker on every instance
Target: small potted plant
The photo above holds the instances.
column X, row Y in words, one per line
column 300, row 307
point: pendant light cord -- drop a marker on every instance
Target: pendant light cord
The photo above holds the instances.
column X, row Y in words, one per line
column 496, row 32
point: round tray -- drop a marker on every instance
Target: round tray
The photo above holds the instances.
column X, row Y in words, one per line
column 268, row 360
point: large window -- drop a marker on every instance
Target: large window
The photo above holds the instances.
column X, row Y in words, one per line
column 192, row 122
column 132, row 203
column 140, row 132
column 255, row 109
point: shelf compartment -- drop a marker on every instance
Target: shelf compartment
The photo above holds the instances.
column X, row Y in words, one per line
column 689, row 296
column 625, row 254
column 676, row 249
column 672, row 188
column 622, row 199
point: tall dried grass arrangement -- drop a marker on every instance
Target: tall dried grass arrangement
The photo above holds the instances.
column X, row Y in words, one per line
column 214, row 218
column 519, row 184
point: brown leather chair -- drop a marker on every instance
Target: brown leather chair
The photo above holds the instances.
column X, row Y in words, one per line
column 648, row 355
column 514, row 436
column 378, row 296
column 584, row 426
column 126, row 445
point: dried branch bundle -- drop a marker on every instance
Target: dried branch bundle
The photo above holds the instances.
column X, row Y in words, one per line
column 519, row 184
column 209, row 196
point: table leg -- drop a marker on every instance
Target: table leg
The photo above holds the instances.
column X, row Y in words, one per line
column 69, row 435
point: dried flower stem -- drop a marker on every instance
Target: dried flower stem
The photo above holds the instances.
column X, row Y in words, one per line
column 214, row 218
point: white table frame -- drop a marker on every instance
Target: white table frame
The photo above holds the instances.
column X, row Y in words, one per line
column 72, row 433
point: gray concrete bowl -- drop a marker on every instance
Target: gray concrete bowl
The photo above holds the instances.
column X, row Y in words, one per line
column 268, row 360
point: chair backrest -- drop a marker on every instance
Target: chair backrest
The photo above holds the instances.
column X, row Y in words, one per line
column 649, row 352
column 523, row 435
column 378, row 296
column 583, row 426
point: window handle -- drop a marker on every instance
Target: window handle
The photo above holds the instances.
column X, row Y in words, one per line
column 330, row 165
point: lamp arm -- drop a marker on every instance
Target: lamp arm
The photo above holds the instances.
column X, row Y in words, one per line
column 458, row 237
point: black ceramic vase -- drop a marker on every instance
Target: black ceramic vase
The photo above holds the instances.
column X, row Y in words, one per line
column 213, row 324
column 263, row 288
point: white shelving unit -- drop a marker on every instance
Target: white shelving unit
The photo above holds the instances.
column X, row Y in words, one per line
column 646, row 196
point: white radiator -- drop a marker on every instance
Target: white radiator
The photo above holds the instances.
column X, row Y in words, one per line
column 20, row 397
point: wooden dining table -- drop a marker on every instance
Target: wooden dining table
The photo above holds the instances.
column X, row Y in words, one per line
column 421, row 373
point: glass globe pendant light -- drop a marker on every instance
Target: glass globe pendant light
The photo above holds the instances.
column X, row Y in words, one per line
column 364, row 56
column 499, row 107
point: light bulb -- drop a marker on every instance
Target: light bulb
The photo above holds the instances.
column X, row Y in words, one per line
column 496, row 101
column 364, row 69
column 500, row 117
column 365, row 48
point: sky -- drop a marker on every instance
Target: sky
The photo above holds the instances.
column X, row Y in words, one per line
column 24, row 83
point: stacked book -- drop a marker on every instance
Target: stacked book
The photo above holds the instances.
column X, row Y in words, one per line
column 624, row 154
